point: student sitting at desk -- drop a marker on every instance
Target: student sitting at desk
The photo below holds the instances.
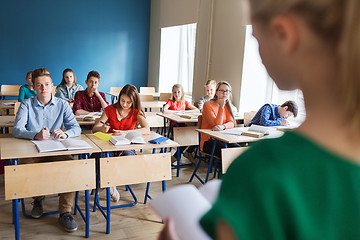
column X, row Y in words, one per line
column 217, row 115
column 275, row 115
column 121, row 116
column 210, row 88
column 90, row 99
column 27, row 91
column 38, row 118
column 178, row 104
column 68, row 86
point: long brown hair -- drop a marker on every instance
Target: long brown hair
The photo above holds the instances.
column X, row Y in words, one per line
column 228, row 104
column 132, row 92
column 63, row 82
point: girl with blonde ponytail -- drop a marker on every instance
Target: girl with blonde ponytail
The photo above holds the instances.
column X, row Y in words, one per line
column 303, row 185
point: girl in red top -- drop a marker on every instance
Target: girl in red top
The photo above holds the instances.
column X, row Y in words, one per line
column 178, row 104
column 121, row 116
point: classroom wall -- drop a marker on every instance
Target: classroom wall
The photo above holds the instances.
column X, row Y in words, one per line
column 167, row 13
column 110, row 36
column 219, row 40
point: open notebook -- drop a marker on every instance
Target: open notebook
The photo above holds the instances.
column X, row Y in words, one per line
column 131, row 137
column 52, row 145
column 186, row 205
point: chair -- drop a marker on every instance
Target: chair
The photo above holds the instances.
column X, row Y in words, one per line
column 147, row 90
column 10, row 90
column 228, row 155
column 165, row 96
column 248, row 116
column 114, row 92
column 146, row 97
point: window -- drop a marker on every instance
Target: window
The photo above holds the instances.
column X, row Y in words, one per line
column 177, row 53
column 257, row 88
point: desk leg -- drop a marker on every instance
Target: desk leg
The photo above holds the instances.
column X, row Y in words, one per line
column 211, row 161
column 15, row 208
column 87, row 214
column 15, row 203
column 108, row 209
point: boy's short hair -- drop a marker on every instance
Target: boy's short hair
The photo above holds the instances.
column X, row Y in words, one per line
column 93, row 74
column 292, row 107
column 38, row 73
column 210, row 82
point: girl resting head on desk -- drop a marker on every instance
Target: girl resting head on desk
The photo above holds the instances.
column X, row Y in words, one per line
column 304, row 184
column 125, row 114
column 178, row 103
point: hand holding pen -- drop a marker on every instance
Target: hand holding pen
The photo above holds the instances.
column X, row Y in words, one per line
column 106, row 126
column 43, row 134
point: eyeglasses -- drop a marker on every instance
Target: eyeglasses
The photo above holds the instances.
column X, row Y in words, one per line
column 224, row 91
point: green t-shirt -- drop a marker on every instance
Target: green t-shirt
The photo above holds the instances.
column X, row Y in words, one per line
column 289, row 188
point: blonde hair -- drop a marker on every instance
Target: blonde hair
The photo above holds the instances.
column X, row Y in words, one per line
column 337, row 23
column 210, row 82
column 182, row 99
column 228, row 104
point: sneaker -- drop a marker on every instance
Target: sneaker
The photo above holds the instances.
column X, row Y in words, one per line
column 189, row 156
column 115, row 195
column 37, row 210
column 68, row 222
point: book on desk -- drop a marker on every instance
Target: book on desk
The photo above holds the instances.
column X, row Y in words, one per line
column 188, row 115
column 53, row 145
column 256, row 131
column 131, row 137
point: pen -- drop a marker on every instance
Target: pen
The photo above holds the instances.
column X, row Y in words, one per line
column 102, row 122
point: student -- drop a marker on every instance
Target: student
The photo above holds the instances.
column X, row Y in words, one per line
column 121, row 116
column 68, row 86
column 27, row 91
column 217, row 115
column 178, row 104
column 90, row 99
column 39, row 118
column 303, row 185
column 275, row 115
column 210, row 88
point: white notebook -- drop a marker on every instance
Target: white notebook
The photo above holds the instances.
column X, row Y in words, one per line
column 53, row 145
column 132, row 137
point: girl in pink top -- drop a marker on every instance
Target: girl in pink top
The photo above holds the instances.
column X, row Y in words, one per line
column 178, row 104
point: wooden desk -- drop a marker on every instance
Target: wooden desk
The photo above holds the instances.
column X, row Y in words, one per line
column 153, row 104
column 133, row 169
column 106, row 146
column 7, row 105
column 7, row 121
column 14, row 150
column 229, row 138
column 9, row 94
